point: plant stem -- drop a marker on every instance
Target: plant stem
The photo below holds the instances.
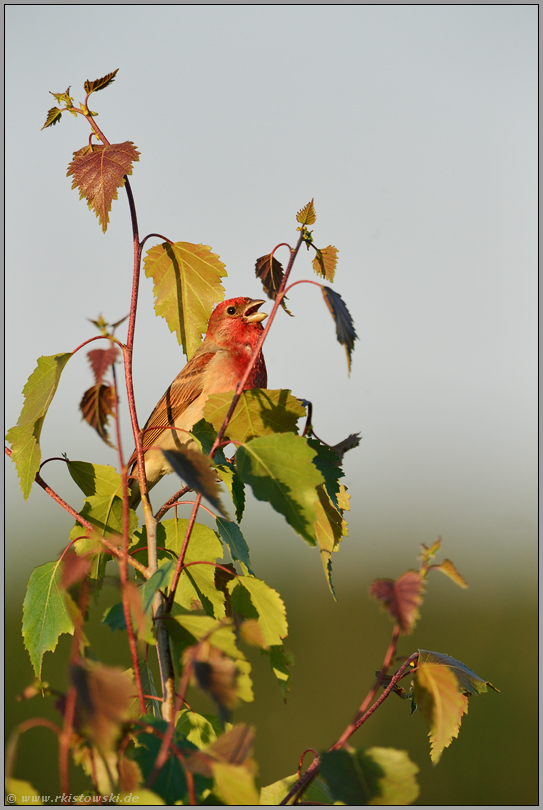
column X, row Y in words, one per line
column 181, row 558
column 163, row 647
column 110, row 547
column 258, row 347
column 359, row 720
column 123, row 562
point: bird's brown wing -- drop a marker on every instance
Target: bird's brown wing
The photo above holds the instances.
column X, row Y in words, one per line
column 186, row 387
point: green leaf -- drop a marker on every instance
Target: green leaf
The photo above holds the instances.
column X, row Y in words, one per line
column 467, row 679
column 95, row 479
column 330, row 527
column 205, row 435
column 280, row 469
column 171, row 783
column 45, row 613
column 160, row 580
column 53, row 117
column 438, row 696
column 38, row 392
column 195, row 470
column 220, row 634
column 187, row 287
column 103, row 507
column 232, row 536
column 100, row 84
column 259, row 412
column 105, row 513
column 328, row 464
column 307, row 215
column 345, row 332
column 281, row 661
column 269, row 606
column 99, row 173
column 229, row 476
column 114, row 617
column 370, row 776
column 200, row 729
column 235, row 784
column 197, row 582
column 276, row 792
column 325, row 261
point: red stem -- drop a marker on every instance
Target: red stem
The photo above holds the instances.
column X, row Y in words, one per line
column 181, row 558
column 171, row 502
column 110, row 547
column 158, row 236
column 123, row 562
column 258, row 347
column 99, row 337
column 361, row 716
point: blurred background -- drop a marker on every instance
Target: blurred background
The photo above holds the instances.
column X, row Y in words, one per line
column 415, row 130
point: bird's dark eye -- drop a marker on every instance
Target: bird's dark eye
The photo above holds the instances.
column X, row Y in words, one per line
column 231, row 310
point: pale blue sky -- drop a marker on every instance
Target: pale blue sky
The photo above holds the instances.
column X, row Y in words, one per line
column 415, row 130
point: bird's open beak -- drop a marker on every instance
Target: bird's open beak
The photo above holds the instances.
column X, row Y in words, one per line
column 251, row 313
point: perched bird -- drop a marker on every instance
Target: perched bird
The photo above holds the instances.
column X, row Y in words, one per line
column 217, row 366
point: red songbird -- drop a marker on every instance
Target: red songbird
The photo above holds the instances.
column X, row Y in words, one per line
column 217, row 366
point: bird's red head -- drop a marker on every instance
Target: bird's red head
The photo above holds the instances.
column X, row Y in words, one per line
column 237, row 319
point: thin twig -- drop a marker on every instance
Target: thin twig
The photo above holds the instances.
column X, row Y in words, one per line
column 359, row 720
column 110, row 547
column 123, row 563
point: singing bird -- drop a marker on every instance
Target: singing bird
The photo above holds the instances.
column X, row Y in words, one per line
column 217, row 366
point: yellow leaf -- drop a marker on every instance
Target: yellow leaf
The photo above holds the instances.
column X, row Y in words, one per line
column 439, row 698
column 307, row 215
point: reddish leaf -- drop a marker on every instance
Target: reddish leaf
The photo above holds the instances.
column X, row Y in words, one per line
column 344, row 323
column 97, row 404
column 100, row 84
column 98, row 172
column 104, row 697
column 270, row 272
column 130, row 776
column 400, row 598
column 101, row 360
column 216, row 674
column 324, row 263
column 307, row 215
column 74, row 569
column 233, row 747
